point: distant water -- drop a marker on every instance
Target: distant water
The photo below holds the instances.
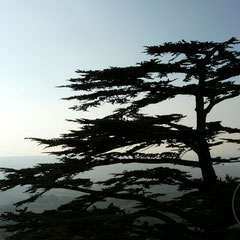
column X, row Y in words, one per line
column 101, row 173
column 54, row 198
column 232, row 169
column 51, row 200
column 25, row 162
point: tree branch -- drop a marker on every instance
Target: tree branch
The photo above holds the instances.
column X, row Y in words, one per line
column 214, row 102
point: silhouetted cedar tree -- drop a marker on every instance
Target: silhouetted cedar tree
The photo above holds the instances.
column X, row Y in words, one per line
column 208, row 72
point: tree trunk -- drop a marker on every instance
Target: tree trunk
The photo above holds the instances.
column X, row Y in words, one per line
column 203, row 152
column 205, row 160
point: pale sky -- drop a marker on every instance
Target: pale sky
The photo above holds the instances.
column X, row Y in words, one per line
column 42, row 43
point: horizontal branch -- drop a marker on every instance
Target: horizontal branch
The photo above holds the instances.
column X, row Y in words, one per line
column 187, row 163
column 127, row 196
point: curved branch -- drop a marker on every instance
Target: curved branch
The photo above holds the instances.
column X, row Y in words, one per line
column 214, row 102
column 187, row 163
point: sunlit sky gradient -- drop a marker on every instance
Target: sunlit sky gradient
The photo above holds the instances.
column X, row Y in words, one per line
column 43, row 42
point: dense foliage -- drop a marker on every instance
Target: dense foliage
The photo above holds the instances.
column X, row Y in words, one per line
column 205, row 70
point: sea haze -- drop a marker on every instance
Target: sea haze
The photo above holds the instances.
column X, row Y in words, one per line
column 50, row 200
column 56, row 197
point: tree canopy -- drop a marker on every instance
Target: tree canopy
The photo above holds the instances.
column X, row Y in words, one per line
column 205, row 70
